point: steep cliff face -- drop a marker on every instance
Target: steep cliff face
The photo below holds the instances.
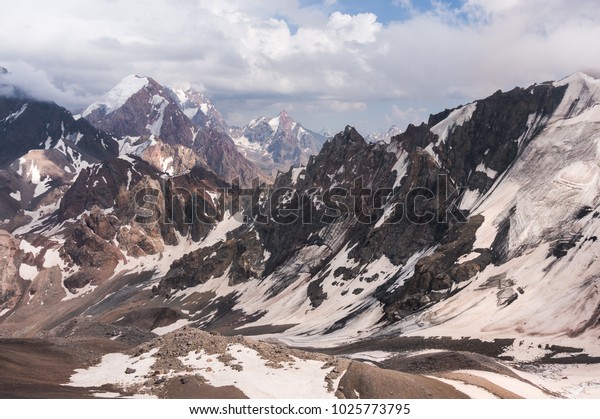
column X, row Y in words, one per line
column 27, row 124
column 12, row 285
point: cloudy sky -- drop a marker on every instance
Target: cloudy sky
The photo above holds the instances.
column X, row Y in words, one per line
column 329, row 63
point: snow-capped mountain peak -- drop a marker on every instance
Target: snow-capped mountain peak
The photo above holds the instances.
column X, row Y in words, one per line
column 581, row 102
column 139, row 106
column 200, row 110
column 118, row 95
column 383, row 137
column 192, row 101
column 145, row 113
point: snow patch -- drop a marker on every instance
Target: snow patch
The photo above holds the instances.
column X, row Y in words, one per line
column 300, row 379
column 87, row 289
column 456, row 118
column 159, row 105
column 111, row 370
column 28, row 272
column 15, row 115
column 473, row 391
column 469, row 199
column 489, row 172
column 27, row 247
column 274, row 123
column 166, row 166
column 296, row 173
column 173, row 326
column 400, row 167
column 515, row 385
column 219, row 232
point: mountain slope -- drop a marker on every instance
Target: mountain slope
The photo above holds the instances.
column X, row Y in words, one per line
column 541, row 222
column 42, row 149
column 409, row 260
column 480, row 224
column 27, row 124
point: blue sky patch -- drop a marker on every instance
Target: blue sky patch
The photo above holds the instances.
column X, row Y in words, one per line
column 386, row 11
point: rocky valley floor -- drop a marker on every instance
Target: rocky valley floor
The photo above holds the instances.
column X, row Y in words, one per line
column 190, row 363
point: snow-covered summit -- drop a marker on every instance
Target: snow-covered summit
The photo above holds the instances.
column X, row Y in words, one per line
column 581, row 100
column 192, row 101
column 383, row 137
column 282, row 120
column 200, row 110
column 118, row 95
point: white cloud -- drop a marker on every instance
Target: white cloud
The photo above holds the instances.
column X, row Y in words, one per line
column 362, row 28
column 339, row 106
column 402, row 117
column 333, row 67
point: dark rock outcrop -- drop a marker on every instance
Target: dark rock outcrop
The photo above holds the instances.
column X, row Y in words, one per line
column 27, row 124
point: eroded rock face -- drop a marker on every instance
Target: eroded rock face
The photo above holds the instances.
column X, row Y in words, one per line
column 12, row 285
column 100, row 185
column 87, row 249
column 95, row 256
column 102, row 224
column 223, row 157
column 235, row 260
column 138, row 242
column 435, row 275
column 173, row 160
column 127, row 210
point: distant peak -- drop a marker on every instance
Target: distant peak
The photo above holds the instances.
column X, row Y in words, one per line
column 282, row 120
column 3, row 70
column 192, row 98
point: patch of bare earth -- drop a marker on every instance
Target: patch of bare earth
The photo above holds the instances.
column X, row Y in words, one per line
column 36, row 368
column 369, row 382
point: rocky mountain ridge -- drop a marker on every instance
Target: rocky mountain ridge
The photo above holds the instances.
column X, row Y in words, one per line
column 481, row 222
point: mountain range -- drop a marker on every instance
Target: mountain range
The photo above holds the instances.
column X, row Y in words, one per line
column 464, row 245
column 278, row 143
